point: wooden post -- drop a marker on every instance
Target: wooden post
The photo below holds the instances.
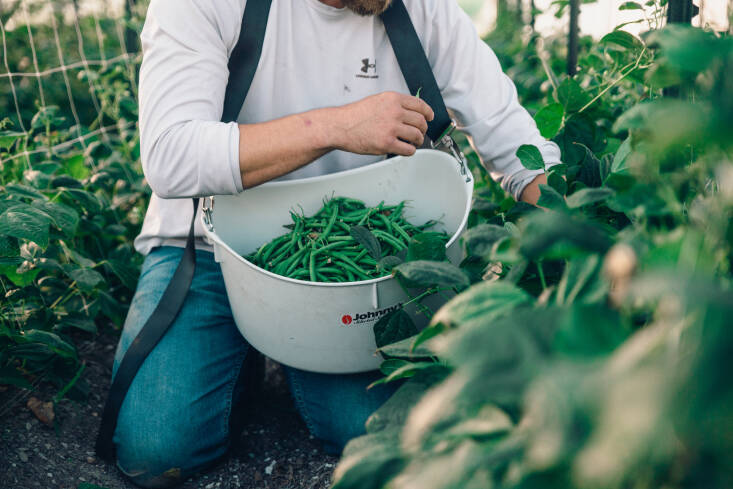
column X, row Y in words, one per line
column 131, row 41
column 572, row 62
column 681, row 11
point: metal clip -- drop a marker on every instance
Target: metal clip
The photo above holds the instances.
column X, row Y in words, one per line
column 446, row 140
column 207, row 207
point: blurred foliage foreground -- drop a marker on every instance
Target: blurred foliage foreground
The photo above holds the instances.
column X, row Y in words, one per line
column 589, row 344
column 593, row 346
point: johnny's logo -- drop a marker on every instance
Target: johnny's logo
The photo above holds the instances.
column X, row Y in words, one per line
column 366, row 68
column 367, row 317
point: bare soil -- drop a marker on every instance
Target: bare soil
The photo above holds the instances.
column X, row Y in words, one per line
column 275, row 449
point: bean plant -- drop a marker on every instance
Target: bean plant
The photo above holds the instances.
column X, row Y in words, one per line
column 68, row 216
column 591, row 348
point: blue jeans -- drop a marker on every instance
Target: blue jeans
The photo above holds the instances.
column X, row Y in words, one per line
column 176, row 418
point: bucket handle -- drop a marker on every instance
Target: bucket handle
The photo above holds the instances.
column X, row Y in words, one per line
column 446, row 140
column 207, row 207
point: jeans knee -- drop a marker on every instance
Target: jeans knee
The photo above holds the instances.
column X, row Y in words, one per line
column 162, row 458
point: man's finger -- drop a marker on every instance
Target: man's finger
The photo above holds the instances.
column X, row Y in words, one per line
column 402, row 148
column 415, row 119
column 418, row 105
column 411, row 135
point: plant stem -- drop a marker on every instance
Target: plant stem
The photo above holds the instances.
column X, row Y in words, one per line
column 541, row 273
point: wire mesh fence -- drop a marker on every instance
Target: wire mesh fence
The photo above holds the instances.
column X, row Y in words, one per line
column 68, row 66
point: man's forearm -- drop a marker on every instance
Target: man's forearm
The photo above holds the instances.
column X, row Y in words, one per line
column 531, row 193
column 385, row 123
column 272, row 149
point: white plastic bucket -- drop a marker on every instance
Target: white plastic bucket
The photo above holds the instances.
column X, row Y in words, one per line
column 327, row 327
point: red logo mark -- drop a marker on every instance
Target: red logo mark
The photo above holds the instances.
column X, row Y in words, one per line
column 346, row 319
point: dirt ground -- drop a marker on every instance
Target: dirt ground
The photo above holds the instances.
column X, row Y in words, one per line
column 274, row 451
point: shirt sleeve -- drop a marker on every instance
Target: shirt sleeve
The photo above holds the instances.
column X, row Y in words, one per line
column 185, row 150
column 480, row 97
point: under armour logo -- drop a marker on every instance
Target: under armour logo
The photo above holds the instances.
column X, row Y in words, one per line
column 367, row 66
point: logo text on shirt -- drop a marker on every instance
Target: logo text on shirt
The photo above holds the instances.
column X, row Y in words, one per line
column 368, row 70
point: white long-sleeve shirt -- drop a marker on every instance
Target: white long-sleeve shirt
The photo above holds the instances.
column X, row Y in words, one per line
column 312, row 58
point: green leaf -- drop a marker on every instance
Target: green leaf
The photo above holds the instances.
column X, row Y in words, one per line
column 8, row 138
column 544, row 233
column 630, row 6
column 622, row 154
column 81, row 323
column 588, row 196
column 64, row 217
column 387, row 263
column 10, row 376
column 393, row 327
column 622, row 38
column 571, row 95
column 550, row 198
column 549, row 120
column 76, row 168
column 26, row 222
column 589, row 331
column 490, row 421
column 393, row 413
column 86, row 278
column 479, row 240
column 127, row 273
column 408, row 370
column 365, row 238
column 485, row 301
column 369, row 461
column 22, row 278
column 556, row 181
column 87, row 200
column 530, row 157
column 430, row 273
column 581, row 282
column 25, row 191
column 8, row 246
column 408, row 348
column 427, row 246
column 691, row 49
column 65, row 181
column 53, row 341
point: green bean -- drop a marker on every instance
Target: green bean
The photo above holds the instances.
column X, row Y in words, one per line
column 349, row 261
column 402, row 232
column 273, row 245
column 390, row 239
column 331, row 221
column 387, row 223
column 312, row 266
column 320, row 247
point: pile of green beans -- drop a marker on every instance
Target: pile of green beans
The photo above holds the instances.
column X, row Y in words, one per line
column 322, row 248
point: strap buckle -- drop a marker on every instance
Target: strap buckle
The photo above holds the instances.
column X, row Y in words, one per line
column 207, row 207
column 446, row 141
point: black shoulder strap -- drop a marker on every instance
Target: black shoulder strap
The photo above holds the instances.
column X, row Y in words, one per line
column 415, row 66
column 242, row 67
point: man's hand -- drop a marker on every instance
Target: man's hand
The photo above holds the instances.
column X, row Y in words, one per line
column 386, row 123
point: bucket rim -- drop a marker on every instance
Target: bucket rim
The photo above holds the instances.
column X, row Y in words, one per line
column 211, row 234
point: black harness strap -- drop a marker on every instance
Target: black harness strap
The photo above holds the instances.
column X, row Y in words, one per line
column 415, row 66
column 149, row 336
column 242, row 67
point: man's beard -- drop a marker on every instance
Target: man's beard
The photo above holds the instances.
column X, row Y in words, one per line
column 367, row 7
